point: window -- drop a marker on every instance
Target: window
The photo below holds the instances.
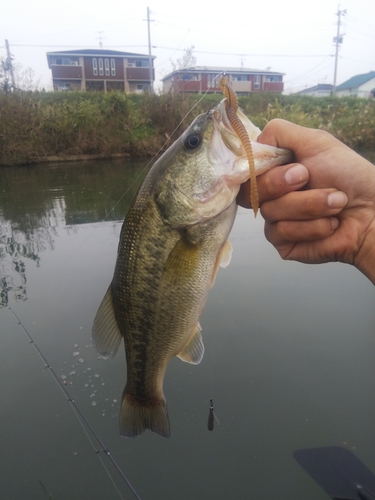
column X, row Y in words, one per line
column 240, row 78
column 212, row 81
column 106, row 62
column 94, row 66
column 273, row 78
column 64, row 86
column 256, row 81
column 138, row 63
column 101, row 71
column 65, row 61
column 189, row 76
column 113, row 67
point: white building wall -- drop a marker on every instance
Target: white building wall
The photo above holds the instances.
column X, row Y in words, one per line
column 362, row 91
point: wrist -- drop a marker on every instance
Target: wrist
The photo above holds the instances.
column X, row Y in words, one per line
column 365, row 258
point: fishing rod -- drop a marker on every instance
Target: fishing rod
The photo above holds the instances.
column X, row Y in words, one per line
column 80, row 416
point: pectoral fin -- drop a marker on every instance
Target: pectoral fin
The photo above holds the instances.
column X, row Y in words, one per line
column 226, row 254
column 193, row 350
column 105, row 331
column 182, row 263
column 222, row 260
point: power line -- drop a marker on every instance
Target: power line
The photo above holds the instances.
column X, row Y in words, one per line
column 242, row 54
column 70, row 46
column 237, row 54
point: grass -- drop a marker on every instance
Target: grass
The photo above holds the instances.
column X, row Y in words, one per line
column 36, row 125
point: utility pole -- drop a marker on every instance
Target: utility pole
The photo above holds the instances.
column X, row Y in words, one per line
column 338, row 40
column 100, row 38
column 10, row 65
column 149, row 52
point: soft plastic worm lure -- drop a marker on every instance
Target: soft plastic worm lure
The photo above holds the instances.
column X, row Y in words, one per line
column 238, row 127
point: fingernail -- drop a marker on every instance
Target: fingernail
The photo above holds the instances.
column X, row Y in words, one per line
column 337, row 199
column 335, row 223
column 296, row 175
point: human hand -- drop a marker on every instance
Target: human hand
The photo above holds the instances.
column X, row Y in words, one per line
column 333, row 217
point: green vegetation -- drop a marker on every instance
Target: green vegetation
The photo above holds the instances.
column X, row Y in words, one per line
column 39, row 125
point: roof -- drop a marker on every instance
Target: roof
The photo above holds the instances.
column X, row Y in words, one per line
column 221, row 69
column 97, row 52
column 321, row 87
column 356, row 81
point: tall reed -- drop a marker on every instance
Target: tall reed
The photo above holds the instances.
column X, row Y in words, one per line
column 36, row 125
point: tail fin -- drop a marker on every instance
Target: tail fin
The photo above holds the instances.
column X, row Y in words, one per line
column 136, row 418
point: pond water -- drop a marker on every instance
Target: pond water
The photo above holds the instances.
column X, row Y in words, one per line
column 289, row 358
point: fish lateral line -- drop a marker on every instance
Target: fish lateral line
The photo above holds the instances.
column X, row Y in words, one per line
column 240, row 130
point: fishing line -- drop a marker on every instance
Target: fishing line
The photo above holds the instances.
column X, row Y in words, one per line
column 81, row 417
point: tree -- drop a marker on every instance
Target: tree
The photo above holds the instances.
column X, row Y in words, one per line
column 5, row 78
column 186, row 61
column 24, row 77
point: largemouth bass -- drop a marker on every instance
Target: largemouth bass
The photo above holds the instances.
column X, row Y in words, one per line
column 173, row 240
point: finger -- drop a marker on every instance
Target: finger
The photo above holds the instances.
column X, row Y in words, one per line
column 304, row 205
column 285, row 232
column 275, row 183
column 284, row 134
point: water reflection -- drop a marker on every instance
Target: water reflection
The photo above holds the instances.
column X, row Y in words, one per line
column 288, row 363
column 37, row 200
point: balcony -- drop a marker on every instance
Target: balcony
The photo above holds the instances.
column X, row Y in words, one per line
column 139, row 74
column 273, row 86
column 66, row 72
column 241, row 86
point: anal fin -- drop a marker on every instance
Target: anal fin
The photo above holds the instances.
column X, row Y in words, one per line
column 193, row 350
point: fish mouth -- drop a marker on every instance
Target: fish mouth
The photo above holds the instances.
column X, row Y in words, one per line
column 229, row 136
column 265, row 156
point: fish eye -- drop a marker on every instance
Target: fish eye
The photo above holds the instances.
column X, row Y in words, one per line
column 192, row 141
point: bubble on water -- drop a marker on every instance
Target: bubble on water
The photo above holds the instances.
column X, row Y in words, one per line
column 75, row 346
column 81, row 360
column 115, row 400
column 86, row 385
column 76, row 353
column 96, row 375
column 63, row 377
column 72, row 372
column 93, row 403
column 88, row 368
column 103, row 383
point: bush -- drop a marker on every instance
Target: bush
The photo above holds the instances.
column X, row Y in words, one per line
column 36, row 125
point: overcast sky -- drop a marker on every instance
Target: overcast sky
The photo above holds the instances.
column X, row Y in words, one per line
column 291, row 36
